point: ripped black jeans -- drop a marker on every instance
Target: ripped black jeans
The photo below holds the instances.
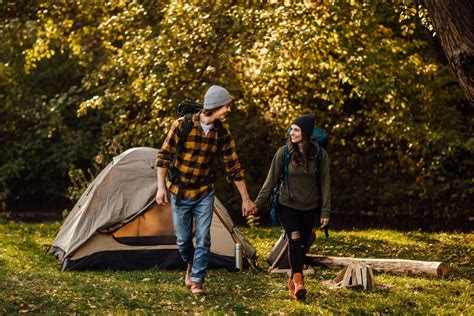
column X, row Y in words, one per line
column 298, row 226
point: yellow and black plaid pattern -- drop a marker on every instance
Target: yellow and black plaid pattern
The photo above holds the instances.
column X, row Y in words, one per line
column 193, row 163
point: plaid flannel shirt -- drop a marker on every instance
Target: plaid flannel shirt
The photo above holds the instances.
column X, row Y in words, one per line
column 193, row 164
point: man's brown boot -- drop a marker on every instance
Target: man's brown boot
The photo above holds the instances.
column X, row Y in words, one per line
column 300, row 291
column 197, row 289
column 187, row 276
column 291, row 289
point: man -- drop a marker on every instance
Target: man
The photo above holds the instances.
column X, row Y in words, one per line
column 192, row 186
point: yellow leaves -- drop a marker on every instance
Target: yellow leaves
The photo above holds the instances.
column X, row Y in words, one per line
column 324, row 65
column 343, row 77
column 416, row 61
column 39, row 51
column 123, row 118
column 76, row 48
column 121, row 4
column 389, row 98
column 95, row 102
column 431, row 68
column 333, row 38
column 49, row 30
column 67, row 23
column 143, row 88
column 408, row 29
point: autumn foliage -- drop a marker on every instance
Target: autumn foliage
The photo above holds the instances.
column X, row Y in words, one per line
column 84, row 80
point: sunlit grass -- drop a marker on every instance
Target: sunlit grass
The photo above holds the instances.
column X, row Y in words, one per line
column 30, row 281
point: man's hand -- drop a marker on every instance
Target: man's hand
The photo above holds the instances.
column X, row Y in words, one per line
column 324, row 222
column 161, row 196
column 248, row 207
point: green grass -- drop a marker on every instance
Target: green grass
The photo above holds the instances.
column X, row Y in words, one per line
column 30, row 281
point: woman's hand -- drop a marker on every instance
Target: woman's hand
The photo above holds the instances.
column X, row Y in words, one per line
column 324, row 222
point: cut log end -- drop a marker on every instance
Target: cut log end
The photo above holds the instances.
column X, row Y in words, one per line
column 443, row 269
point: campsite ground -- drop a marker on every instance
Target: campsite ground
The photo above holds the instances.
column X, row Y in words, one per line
column 31, row 283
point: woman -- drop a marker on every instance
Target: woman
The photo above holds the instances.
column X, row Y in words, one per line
column 302, row 194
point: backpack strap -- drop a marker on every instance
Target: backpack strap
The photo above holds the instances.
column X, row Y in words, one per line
column 187, row 126
column 220, row 134
column 286, row 164
column 276, row 189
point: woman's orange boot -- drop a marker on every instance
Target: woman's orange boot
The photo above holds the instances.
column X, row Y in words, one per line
column 298, row 283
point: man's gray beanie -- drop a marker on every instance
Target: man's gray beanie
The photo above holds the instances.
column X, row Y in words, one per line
column 215, row 97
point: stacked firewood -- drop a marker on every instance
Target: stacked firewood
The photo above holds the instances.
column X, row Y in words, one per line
column 355, row 275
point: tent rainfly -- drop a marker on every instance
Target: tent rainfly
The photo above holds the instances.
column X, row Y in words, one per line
column 116, row 224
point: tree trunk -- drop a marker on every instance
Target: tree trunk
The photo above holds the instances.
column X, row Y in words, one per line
column 453, row 21
column 396, row 266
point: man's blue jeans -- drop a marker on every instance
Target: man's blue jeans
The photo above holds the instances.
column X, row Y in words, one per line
column 201, row 210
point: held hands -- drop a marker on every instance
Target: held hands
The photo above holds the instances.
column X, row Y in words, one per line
column 161, row 196
column 248, row 207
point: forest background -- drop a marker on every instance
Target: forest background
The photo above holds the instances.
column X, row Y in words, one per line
column 82, row 81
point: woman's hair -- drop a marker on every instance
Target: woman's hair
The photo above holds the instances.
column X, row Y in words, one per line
column 300, row 157
column 209, row 112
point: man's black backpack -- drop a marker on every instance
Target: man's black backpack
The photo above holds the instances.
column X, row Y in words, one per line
column 186, row 109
